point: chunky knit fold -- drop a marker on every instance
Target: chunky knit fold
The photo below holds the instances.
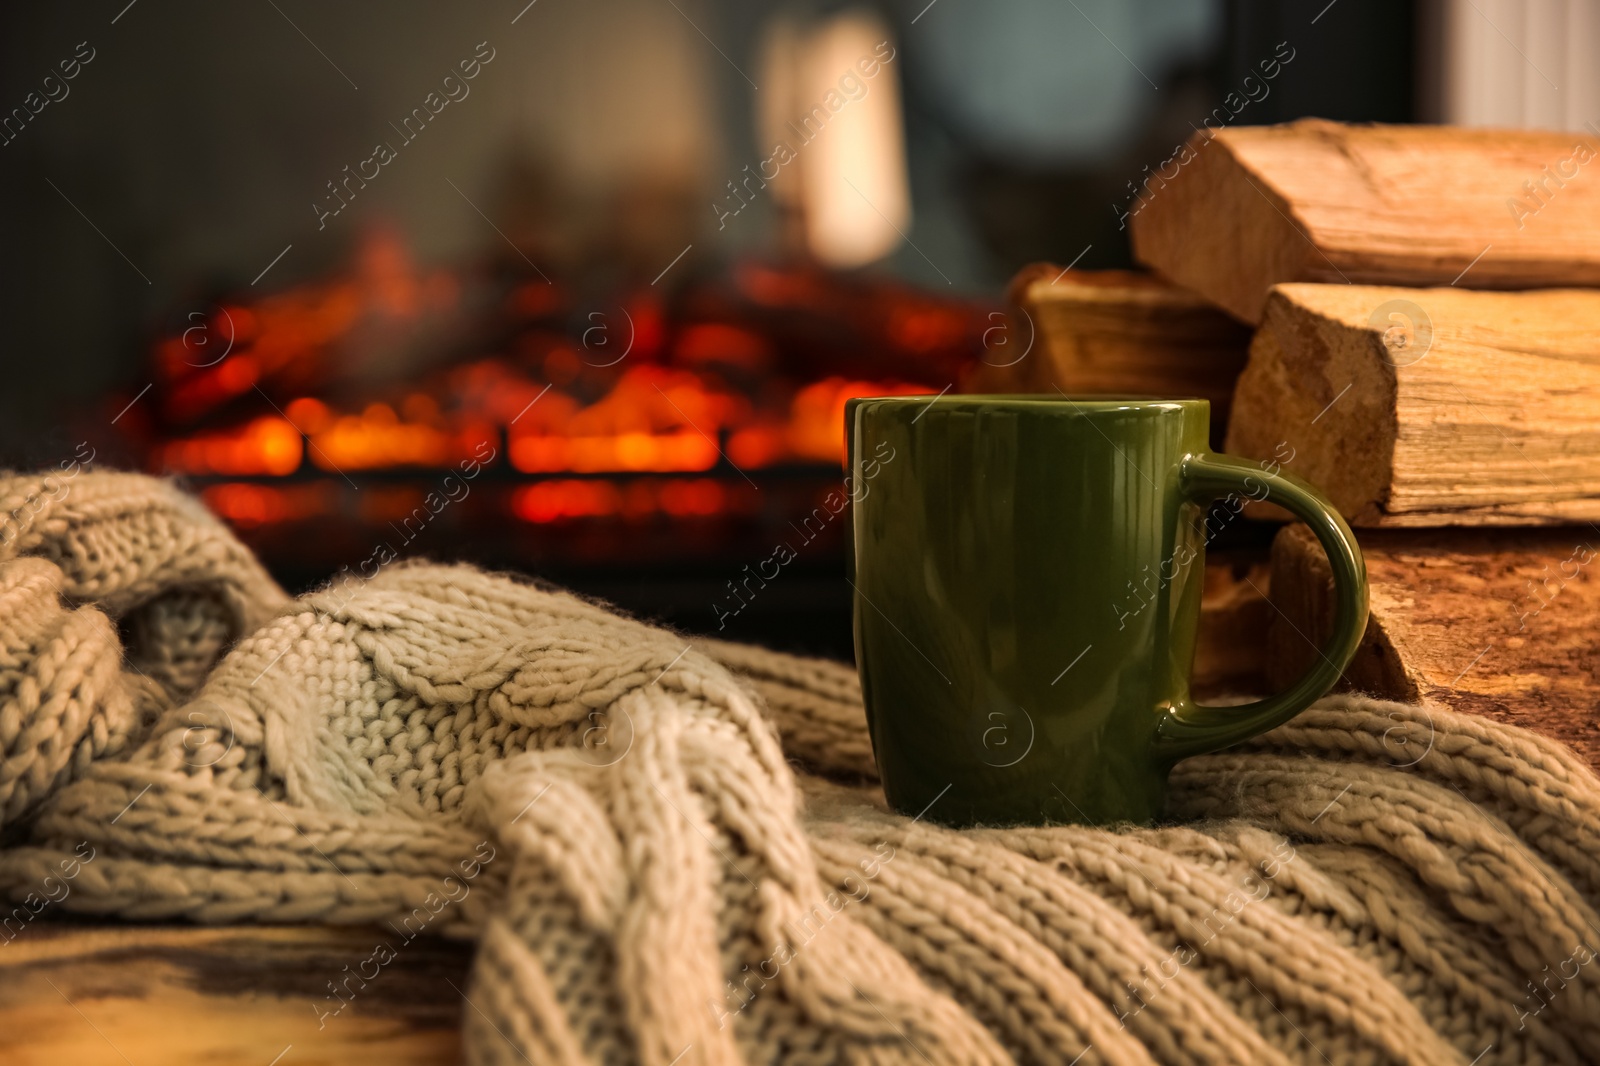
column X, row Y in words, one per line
column 672, row 850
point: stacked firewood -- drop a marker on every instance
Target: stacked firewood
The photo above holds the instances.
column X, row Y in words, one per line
column 1397, row 315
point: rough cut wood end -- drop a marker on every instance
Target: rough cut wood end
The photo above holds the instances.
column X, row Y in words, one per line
column 1428, row 407
column 1500, row 624
column 1239, row 210
column 1114, row 332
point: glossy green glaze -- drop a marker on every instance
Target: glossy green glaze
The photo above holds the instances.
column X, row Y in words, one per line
column 1027, row 577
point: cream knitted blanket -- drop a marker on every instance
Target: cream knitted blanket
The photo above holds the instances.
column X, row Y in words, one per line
column 670, row 851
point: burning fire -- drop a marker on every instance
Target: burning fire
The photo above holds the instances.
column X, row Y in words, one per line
column 267, row 445
column 655, row 420
column 670, row 427
column 549, row 501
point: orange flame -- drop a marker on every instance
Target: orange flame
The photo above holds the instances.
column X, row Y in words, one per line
column 265, row 446
column 563, row 499
column 554, row 412
column 249, row 505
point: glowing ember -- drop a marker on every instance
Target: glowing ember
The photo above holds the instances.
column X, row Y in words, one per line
column 656, row 407
column 654, row 419
column 265, row 446
column 248, row 505
column 551, row 501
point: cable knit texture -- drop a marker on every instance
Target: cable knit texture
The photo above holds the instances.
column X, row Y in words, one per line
column 678, row 854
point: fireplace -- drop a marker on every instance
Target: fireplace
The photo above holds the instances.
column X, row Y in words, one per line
column 650, row 445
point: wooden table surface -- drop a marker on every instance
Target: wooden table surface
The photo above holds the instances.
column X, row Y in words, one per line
column 154, row 995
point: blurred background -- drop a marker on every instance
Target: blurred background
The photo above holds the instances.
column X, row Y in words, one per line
column 580, row 288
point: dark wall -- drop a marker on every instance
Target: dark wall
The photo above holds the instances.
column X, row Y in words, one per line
column 187, row 154
column 1354, row 63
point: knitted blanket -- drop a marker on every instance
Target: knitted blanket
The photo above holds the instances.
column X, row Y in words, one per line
column 671, row 850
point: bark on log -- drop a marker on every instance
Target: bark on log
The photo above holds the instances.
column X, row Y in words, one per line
column 1500, row 624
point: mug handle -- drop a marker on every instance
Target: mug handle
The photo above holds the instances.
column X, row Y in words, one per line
column 1191, row 729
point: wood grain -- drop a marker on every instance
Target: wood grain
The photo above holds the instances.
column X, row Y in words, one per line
column 1242, row 209
column 121, row 994
column 1500, row 624
column 1427, row 407
column 1113, row 332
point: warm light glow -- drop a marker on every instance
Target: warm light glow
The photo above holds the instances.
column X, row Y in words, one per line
column 703, row 496
column 565, row 499
column 548, row 501
column 253, row 505
column 700, row 398
column 816, row 426
column 265, row 446
column 855, row 194
column 756, row 446
column 653, row 419
column 309, row 414
column 376, row 439
column 228, row 354
column 682, row 450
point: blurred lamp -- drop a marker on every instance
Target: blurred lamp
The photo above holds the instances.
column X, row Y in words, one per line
column 847, row 175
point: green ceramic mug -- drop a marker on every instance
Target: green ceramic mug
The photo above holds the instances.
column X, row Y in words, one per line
column 1027, row 575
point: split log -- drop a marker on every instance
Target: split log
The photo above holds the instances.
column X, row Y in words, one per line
column 1239, row 210
column 1500, row 624
column 1113, row 332
column 1427, row 407
column 89, row 994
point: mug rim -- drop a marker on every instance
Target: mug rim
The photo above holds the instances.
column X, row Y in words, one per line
column 1101, row 402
